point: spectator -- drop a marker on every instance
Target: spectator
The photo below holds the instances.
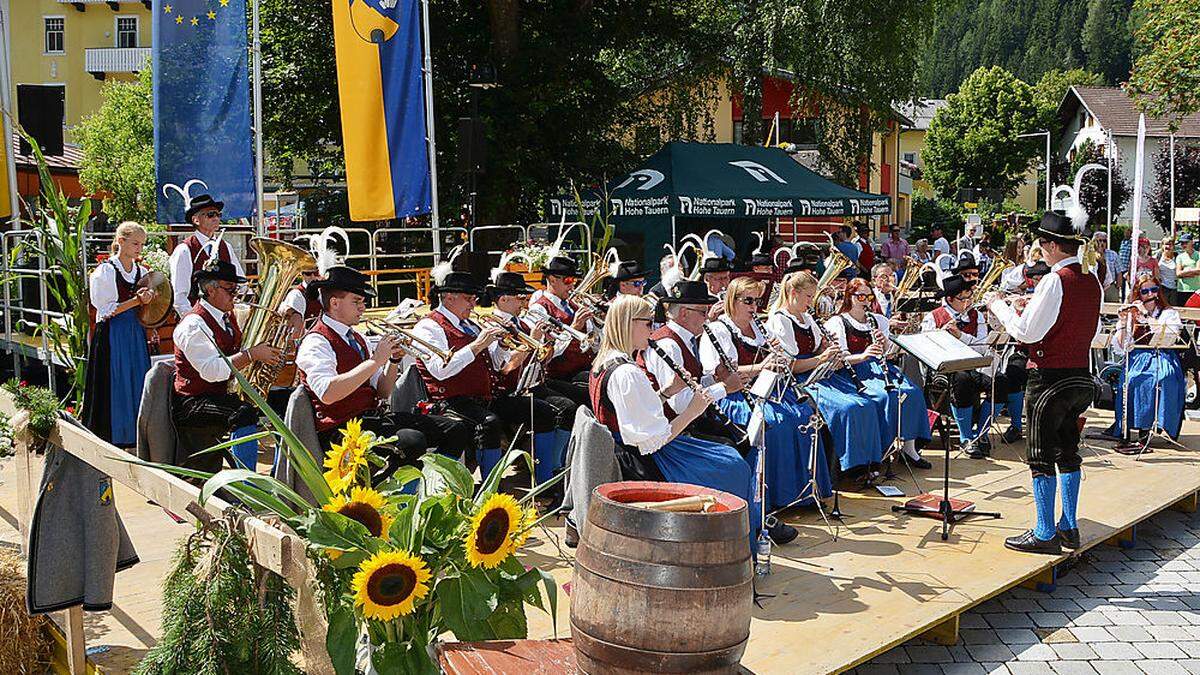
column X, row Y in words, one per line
column 895, row 249
column 1112, row 290
column 841, row 241
column 922, row 252
column 1123, row 255
column 940, row 245
column 866, row 252
column 1146, row 262
column 1187, row 269
column 1166, row 269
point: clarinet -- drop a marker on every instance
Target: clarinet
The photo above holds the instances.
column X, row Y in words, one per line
column 686, row 377
column 843, row 357
column 721, row 355
column 776, row 350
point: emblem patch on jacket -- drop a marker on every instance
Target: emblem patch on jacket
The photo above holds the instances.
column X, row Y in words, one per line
column 106, row 492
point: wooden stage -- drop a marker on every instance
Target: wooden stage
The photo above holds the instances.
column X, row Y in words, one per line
column 829, row 605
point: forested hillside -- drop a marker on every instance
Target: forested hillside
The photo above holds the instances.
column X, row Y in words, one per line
column 1028, row 38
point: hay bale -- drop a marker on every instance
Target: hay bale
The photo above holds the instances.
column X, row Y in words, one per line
column 25, row 643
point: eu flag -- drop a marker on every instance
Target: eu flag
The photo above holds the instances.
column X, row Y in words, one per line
column 202, row 106
column 378, row 49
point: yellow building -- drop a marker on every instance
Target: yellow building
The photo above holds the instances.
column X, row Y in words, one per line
column 76, row 45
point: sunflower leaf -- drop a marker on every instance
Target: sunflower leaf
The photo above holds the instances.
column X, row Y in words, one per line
column 466, row 602
column 441, row 521
column 508, row 621
column 492, row 481
column 399, row 481
column 342, row 639
column 453, row 473
column 401, row 532
column 333, row 530
column 349, row 559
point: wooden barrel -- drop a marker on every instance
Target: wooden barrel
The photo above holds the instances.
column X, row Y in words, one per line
column 659, row 592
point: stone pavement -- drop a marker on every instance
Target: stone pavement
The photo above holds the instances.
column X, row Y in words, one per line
column 1116, row 611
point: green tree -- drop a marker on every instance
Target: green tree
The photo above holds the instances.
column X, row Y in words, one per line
column 1187, row 181
column 118, row 150
column 1050, row 89
column 1093, row 192
column 1165, row 80
column 972, row 140
column 1106, row 38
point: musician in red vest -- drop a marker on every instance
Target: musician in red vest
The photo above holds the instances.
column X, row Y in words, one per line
column 300, row 308
column 567, row 373
column 346, row 380
column 204, row 407
column 204, row 213
column 1057, row 323
column 464, row 385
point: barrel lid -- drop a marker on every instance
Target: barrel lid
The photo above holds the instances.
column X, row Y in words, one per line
column 609, row 509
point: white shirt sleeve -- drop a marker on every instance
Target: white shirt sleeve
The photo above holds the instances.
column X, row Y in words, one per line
column 1039, row 315
column 709, row 355
column 837, row 331
column 196, row 342
column 294, row 300
column 928, row 323
column 638, row 409
column 102, row 289
column 665, row 376
column 431, row 332
column 181, row 277
column 316, row 359
column 1013, row 278
column 779, row 326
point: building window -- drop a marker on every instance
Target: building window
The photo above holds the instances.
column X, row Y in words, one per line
column 54, row 34
column 127, row 32
column 911, row 158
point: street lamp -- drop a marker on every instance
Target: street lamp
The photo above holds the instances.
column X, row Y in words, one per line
column 1033, row 134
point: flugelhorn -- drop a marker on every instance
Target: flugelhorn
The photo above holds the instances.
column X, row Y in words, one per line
column 515, row 339
column 556, row 326
column 418, row 347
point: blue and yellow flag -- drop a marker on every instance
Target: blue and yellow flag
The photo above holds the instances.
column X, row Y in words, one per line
column 378, row 45
column 202, row 141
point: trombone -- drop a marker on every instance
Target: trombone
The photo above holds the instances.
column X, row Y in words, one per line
column 419, row 348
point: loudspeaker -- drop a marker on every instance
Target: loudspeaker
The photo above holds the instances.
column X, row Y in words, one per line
column 472, row 149
column 40, row 110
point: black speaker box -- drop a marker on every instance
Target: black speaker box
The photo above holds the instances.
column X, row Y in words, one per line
column 40, row 110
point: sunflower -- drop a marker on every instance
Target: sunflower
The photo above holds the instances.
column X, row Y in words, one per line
column 343, row 461
column 388, row 584
column 365, row 506
column 522, row 533
column 493, row 531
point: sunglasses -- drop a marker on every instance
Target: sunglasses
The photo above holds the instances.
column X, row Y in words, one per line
column 230, row 289
column 860, row 296
column 309, row 273
column 211, row 214
column 1149, row 290
column 749, row 302
column 637, row 283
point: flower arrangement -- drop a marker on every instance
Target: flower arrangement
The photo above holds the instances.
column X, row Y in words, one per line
column 402, row 560
column 6, row 437
column 41, row 404
column 537, row 253
column 157, row 260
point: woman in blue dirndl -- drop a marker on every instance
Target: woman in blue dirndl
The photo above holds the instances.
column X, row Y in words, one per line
column 117, row 354
column 736, row 342
column 649, row 443
column 865, row 337
column 1156, row 377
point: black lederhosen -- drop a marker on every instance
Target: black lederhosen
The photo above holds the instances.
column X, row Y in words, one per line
column 574, row 390
column 203, row 421
column 1054, row 400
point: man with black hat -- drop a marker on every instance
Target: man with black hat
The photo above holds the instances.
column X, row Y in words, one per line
column 345, row 380
column 567, row 372
column 208, row 345
column 204, row 213
column 1057, row 323
column 967, row 267
column 627, row 278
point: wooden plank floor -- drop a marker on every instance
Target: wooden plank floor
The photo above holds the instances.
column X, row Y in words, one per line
column 829, row 605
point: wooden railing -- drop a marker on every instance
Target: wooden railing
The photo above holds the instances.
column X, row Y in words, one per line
column 272, row 547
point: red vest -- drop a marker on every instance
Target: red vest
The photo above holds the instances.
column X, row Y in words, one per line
column 941, row 317
column 1067, row 343
column 187, row 380
column 690, row 363
column 362, row 399
column 747, row 354
column 857, row 340
column 200, row 256
column 475, row 380
column 312, row 306
column 806, row 341
column 572, row 361
column 598, row 395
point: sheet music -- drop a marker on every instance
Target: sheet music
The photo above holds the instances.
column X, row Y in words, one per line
column 939, row 350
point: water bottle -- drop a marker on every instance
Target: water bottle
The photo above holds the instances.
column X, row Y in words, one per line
column 762, row 555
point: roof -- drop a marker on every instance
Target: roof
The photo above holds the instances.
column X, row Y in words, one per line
column 70, row 160
column 921, row 112
column 1115, row 111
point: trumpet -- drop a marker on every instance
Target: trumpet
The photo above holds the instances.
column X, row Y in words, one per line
column 514, row 339
column 419, row 348
column 555, row 326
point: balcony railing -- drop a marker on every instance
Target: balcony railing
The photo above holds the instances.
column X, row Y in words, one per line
column 115, row 60
column 114, row 5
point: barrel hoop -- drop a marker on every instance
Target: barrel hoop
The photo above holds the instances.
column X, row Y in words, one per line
column 683, row 527
column 645, row 660
column 653, row 575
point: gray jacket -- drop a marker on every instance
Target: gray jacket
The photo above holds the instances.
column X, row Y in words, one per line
column 591, row 461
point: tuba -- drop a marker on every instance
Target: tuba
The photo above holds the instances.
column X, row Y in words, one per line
column 279, row 263
column 835, row 264
column 989, row 281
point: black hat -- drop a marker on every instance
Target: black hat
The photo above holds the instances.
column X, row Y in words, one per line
column 953, row 285
column 341, row 278
column 458, row 282
column 966, row 261
column 689, row 293
column 215, row 269
column 628, row 271
column 717, row 264
column 561, row 266
column 201, row 202
column 509, row 283
column 1038, row 269
column 1057, row 226
column 761, row 259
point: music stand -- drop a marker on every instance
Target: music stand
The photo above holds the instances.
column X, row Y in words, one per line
column 941, row 352
column 1159, row 341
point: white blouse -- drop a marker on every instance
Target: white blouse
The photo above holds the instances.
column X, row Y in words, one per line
column 638, row 407
column 664, row 375
column 837, row 329
column 1167, row 322
column 724, row 330
column 102, row 286
column 780, row 323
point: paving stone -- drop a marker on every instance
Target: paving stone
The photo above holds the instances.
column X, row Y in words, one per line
column 897, row 655
column 1073, row 651
column 1023, row 605
column 1049, row 619
column 1159, row 650
column 1191, row 665
column 996, row 652
column 960, row 654
column 963, row 669
column 1073, row 668
column 1091, row 634
column 1017, row 636
column 1116, row 651
column 875, row 668
column 922, row 669
column 1130, row 633
column 1009, row 620
column 1116, row 668
column 928, row 654
column 1169, row 633
column 1093, row 617
column 1158, row 617
column 1131, row 618
column 996, row 669
column 1038, row 652
column 981, row 636
column 971, row 620
column 1189, row 647
column 1158, row 667
column 1030, row 668
column 1058, row 605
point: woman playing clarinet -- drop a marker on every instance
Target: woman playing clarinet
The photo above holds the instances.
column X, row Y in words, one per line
column 117, row 355
column 1156, row 381
column 865, row 337
column 735, row 342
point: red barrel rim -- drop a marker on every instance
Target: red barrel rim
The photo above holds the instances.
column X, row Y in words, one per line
column 652, row 491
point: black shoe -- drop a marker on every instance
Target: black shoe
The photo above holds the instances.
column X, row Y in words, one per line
column 1069, row 538
column 918, row 463
column 1011, row 435
column 781, row 533
column 1026, row 542
column 571, row 538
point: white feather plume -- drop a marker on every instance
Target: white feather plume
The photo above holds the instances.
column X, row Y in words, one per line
column 505, row 258
column 320, row 245
column 564, row 229
column 791, row 255
column 613, row 260
column 761, row 240
column 944, row 263
column 442, row 270
column 213, row 248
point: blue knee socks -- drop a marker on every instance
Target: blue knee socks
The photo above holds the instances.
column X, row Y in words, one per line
column 546, row 460
column 965, row 418
column 986, row 414
column 488, row 459
column 245, row 455
column 1070, row 499
column 1043, row 501
column 561, row 438
column 1016, row 408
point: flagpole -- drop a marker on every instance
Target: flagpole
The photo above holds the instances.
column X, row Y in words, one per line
column 1136, row 232
column 256, row 56
column 431, row 144
column 10, row 160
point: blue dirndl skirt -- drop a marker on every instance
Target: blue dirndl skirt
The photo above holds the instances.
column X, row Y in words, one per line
column 1147, row 367
column 853, row 420
column 129, row 359
column 914, row 416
